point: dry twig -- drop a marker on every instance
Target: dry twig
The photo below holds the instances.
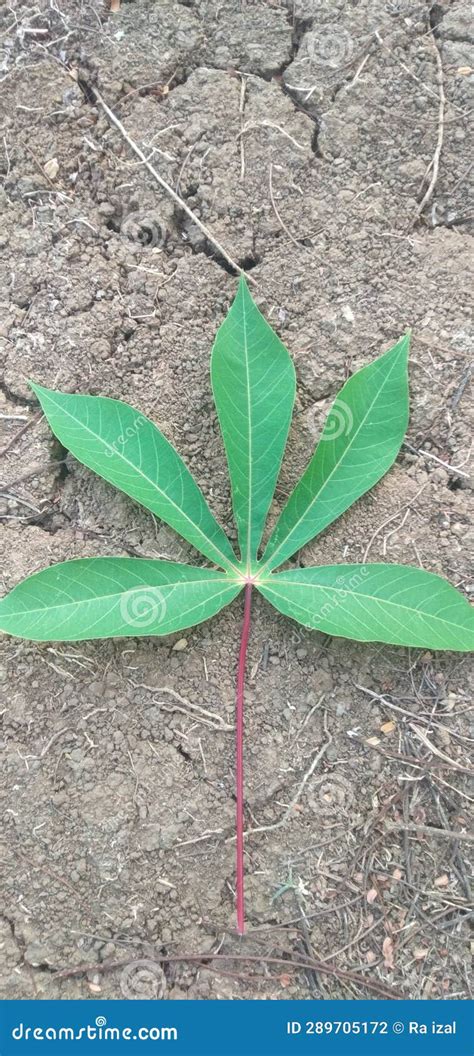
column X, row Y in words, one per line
column 439, row 142
column 115, row 121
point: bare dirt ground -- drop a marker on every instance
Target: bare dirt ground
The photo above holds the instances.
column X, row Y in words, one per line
column 325, row 144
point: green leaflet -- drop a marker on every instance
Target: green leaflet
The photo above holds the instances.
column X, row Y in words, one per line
column 396, row 604
column 125, row 448
column 253, row 381
column 361, row 438
column 107, row 597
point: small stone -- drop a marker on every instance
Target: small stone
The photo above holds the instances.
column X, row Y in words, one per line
column 180, row 645
column 51, row 168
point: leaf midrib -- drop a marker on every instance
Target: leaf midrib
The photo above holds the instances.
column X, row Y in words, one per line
column 133, row 590
column 354, row 594
column 250, row 447
column 269, row 563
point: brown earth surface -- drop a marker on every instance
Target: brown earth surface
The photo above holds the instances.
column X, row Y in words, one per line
column 305, row 136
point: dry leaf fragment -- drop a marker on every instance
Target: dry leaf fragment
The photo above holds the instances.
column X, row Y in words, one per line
column 114, row 6
column 387, row 950
column 51, row 168
column 387, row 727
column 397, row 874
column 420, row 953
column 371, row 895
column 370, row 957
column 442, row 881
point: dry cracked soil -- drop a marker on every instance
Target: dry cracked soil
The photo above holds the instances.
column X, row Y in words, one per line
column 325, row 145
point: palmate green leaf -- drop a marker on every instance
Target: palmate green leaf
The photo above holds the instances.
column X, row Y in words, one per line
column 253, row 381
column 395, row 604
column 108, row 597
column 361, row 438
column 126, row 449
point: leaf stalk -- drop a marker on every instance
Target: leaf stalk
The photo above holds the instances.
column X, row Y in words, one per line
column 239, row 759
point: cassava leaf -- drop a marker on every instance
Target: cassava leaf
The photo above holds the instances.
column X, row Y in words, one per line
column 253, row 381
column 126, row 449
column 106, row 597
column 396, row 604
column 361, row 438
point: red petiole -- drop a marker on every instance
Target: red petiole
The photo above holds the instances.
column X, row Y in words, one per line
column 239, row 760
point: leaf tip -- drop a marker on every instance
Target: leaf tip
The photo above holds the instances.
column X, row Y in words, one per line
column 406, row 339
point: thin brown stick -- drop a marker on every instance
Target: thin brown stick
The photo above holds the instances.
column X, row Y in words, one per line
column 19, row 434
column 439, row 142
column 208, row 718
column 115, row 121
column 291, row 806
column 200, row 959
column 393, row 516
column 277, row 214
column 429, row 830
